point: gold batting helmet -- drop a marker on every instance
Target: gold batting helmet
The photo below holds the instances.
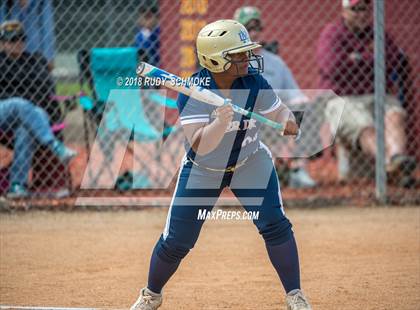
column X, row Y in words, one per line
column 223, row 37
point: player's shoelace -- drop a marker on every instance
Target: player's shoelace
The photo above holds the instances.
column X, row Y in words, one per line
column 147, row 299
column 299, row 300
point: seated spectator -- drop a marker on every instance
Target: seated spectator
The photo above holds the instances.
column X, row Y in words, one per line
column 346, row 62
column 281, row 79
column 147, row 37
column 24, row 81
column 29, row 125
column 23, row 74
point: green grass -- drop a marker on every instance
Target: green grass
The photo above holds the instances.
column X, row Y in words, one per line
column 67, row 88
column 70, row 89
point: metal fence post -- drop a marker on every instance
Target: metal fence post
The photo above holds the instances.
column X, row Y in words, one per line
column 380, row 174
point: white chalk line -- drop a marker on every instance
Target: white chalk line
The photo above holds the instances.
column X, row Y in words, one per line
column 5, row 307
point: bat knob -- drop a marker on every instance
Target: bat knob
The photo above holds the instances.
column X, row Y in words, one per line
column 140, row 68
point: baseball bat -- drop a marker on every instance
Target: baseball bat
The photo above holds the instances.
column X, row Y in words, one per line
column 174, row 82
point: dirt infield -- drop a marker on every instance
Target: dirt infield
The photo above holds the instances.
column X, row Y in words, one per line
column 351, row 258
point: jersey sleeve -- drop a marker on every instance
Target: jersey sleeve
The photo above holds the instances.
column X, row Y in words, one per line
column 192, row 111
column 267, row 100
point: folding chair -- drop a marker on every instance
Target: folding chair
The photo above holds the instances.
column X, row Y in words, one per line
column 115, row 106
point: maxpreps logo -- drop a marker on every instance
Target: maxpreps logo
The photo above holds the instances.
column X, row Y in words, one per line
column 243, row 36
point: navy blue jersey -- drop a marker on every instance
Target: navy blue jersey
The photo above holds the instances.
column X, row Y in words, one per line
column 251, row 92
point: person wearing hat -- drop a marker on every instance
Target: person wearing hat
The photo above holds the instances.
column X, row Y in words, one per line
column 346, row 60
column 23, row 80
column 223, row 150
column 24, row 74
column 281, row 79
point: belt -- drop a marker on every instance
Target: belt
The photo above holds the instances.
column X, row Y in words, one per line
column 228, row 169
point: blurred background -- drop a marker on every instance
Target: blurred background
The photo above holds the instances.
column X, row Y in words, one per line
column 76, row 50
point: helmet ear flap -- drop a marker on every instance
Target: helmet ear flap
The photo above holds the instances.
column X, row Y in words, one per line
column 209, row 62
column 214, row 62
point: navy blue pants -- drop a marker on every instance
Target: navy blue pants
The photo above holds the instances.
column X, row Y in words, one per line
column 256, row 186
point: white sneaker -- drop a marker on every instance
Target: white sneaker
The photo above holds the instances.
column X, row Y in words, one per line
column 300, row 178
column 296, row 300
column 147, row 300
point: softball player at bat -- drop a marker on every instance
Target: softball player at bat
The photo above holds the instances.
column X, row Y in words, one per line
column 223, row 149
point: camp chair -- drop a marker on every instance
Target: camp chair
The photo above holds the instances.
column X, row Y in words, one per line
column 116, row 107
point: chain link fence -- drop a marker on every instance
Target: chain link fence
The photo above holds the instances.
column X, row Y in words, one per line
column 79, row 68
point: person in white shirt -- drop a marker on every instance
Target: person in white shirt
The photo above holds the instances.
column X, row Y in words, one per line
column 278, row 74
